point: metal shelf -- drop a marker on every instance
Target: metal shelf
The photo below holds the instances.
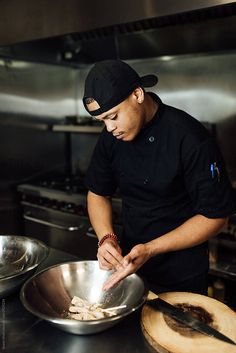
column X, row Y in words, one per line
column 223, row 270
column 78, row 129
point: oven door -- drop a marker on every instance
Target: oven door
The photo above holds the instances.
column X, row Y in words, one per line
column 61, row 230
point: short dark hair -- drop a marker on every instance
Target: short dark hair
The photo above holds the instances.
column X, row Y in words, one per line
column 89, row 100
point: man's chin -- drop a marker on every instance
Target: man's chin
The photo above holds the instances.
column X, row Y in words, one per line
column 128, row 138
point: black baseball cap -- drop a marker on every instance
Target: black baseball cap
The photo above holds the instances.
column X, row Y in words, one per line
column 110, row 82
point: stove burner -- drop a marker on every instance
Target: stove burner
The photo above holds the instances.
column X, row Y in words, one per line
column 73, row 184
column 65, row 194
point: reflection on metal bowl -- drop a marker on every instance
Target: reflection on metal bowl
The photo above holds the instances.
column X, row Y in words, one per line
column 19, row 258
column 48, row 295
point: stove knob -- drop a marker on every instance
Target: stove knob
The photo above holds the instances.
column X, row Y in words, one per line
column 70, row 207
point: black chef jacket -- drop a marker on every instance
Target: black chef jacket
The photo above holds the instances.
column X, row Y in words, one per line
column 170, row 172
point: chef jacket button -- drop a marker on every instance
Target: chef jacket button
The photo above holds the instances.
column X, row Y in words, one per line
column 151, row 139
column 145, row 181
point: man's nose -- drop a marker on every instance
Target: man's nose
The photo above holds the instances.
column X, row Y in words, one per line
column 110, row 125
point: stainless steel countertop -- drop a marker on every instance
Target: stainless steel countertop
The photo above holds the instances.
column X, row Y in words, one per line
column 22, row 332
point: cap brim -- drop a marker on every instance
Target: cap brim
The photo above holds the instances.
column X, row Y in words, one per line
column 149, row 80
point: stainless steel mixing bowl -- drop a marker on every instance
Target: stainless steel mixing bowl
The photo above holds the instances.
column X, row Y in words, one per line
column 48, row 295
column 19, row 257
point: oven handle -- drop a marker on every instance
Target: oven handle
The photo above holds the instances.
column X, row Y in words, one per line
column 54, row 225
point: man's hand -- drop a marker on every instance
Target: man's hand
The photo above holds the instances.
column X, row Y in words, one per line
column 109, row 255
column 138, row 255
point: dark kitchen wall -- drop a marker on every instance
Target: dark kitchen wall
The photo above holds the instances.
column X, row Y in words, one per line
column 25, row 154
column 28, row 152
column 33, row 97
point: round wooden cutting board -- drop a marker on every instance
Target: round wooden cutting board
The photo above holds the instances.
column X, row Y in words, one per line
column 166, row 335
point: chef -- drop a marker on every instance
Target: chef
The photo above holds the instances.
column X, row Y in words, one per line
column 171, row 177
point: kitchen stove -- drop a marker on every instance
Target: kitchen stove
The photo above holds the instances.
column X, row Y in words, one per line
column 55, row 211
column 69, row 184
column 63, row 194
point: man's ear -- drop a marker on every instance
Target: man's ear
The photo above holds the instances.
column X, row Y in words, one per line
column 139, row 94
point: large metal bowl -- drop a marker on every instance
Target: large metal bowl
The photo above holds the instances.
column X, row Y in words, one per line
column 19, row 257
column 48, row 295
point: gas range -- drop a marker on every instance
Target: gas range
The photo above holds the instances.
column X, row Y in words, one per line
column 55, row 212
column 73, row 184
column 65, row 194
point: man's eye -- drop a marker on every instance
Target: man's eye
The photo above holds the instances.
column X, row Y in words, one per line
column 113, row 117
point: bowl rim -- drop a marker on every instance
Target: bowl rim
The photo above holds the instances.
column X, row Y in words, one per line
column 32, row 240
column 71, row 322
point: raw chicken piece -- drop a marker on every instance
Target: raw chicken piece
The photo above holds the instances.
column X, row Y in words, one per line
column 81, row 309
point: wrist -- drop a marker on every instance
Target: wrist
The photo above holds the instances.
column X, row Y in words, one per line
column 150, row 249
column 110, row 236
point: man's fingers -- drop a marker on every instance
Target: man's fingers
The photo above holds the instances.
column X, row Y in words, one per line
column 104, row 264
column 112, row 281
column 116, row 277
column 110, row 254
column 116, row 255
column 128, row 259
column 112, row 259
column 109, row 257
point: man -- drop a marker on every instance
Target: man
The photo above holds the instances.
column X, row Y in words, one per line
column 174, row 188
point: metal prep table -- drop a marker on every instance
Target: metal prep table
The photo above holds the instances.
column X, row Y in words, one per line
column 25, row 333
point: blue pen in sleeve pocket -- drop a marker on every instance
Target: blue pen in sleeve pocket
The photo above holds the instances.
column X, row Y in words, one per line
column 214, row 171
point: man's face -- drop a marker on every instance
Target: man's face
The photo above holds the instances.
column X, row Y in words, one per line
column 125, row 120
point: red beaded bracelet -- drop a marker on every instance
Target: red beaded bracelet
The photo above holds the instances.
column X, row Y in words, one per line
column 107, row 236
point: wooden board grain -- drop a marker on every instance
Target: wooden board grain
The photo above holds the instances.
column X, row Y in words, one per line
column 167, row 338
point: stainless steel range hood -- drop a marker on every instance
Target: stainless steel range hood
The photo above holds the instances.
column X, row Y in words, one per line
column 75, row 32
column 29, row 20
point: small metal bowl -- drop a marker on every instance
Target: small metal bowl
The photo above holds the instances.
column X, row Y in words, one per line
column 19, row 257
column 48, row 295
